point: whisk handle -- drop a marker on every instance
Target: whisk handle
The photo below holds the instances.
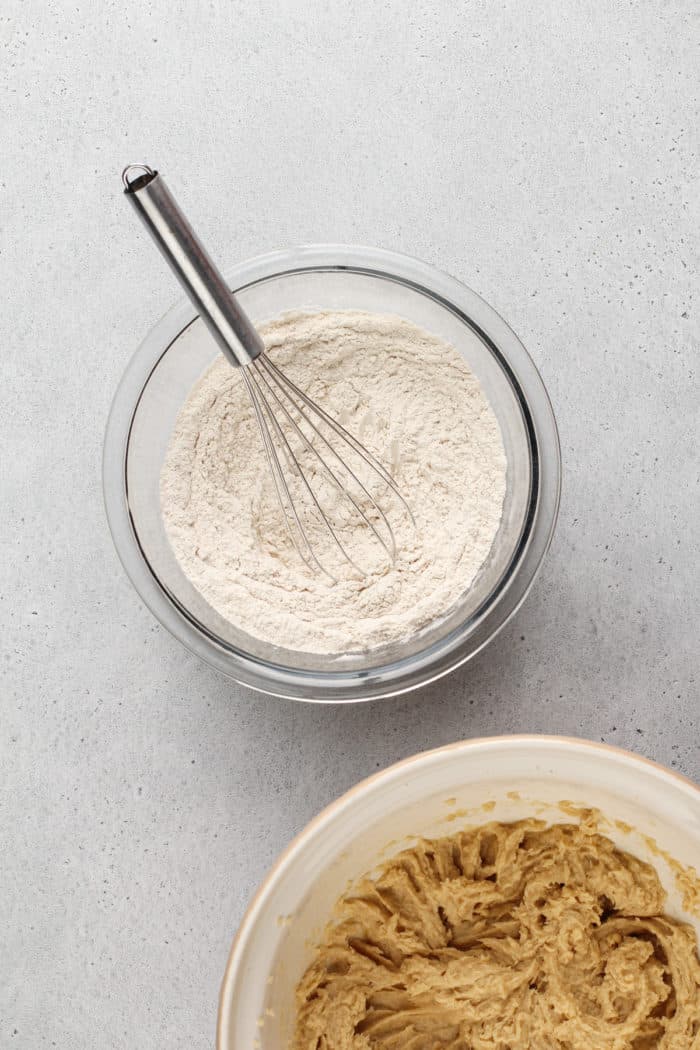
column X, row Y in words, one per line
column 193, row 266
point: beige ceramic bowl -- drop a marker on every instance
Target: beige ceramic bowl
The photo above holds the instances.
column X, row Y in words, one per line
column 651, row 812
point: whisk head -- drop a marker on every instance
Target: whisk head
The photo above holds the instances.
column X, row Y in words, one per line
column 328, row 484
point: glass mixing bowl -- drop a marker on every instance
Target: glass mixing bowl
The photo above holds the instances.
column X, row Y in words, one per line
column 334, row 277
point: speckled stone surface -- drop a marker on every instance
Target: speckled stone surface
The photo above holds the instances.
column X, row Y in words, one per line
column 544, row 153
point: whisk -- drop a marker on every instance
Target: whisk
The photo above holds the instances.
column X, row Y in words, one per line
column 310, row 455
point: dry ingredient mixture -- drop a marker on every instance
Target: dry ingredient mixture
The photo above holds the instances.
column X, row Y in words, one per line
column 505, row 937
column 411, row 399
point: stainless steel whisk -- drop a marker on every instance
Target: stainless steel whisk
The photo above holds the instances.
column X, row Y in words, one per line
column 294, row 428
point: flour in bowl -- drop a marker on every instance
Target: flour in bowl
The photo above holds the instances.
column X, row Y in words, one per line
column 412, row 400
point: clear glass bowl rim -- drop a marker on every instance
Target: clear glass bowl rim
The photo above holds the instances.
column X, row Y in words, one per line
column 460, row 646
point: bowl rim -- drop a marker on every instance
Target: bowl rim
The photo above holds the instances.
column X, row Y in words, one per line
column 461, row 644
column 488, row 743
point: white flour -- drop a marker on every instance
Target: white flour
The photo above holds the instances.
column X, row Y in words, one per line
column 412, row 400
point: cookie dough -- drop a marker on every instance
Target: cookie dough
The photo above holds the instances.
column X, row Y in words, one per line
column 505, row 937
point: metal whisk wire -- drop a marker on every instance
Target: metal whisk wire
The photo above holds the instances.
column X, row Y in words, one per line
column 271, row 392
column 282, row 410
column 341, row 431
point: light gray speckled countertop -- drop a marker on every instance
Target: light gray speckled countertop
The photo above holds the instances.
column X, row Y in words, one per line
column 544, row 153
